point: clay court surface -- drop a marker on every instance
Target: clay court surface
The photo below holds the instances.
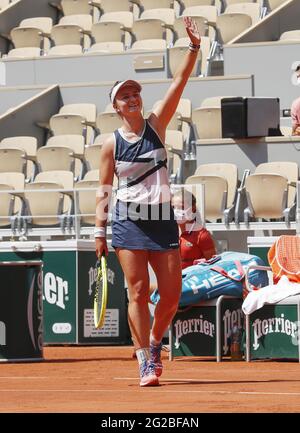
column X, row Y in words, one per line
column 105, row 379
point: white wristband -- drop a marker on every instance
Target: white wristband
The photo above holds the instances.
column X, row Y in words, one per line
column 100, row 232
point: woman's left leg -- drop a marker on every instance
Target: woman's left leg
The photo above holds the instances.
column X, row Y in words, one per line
column 167, row 268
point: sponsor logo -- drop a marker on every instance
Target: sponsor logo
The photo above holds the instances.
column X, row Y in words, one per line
column 273, row 325
column 93, row 277
column 62, row 328
column 229, row 319
column 2, row 334
column 56, row 290
column 37, row 340
column 193, row 326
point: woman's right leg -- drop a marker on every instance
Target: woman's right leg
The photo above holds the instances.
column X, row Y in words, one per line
column 135, row 267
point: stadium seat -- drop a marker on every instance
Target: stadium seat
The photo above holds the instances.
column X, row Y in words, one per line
column 181, row 119
column 216, row 190
column 213, row 101
column 85, row 201
column 10, row 204
column 152, row 4
column 149, row 45
column 55, row 158
column 79, row 7
column 6, row 205
column 32, row 32
column 287, row 169
column 231, row 25
column 177, row 52
column 108, row 122
column 76, row 145
column 65, row 50
column 41, row 212
column 87, row 110
column 61, row 124
column 63, row 178
column 75, row 119
column 189, row 3
column 174, row 141
column 266, row 196
column 26, row 144
column 4, row 4
column 228, row 172
column 118, row 27
column 115, row 6
column 108, row 32
column 101, row 138
column 226, row 3
column 251, row 9
column 180, row 31
column 24, row 53
column 292, row 35
column 207, row 122
column 208, row 12
column 92, row 175
column 92, row 156
column 174, row 167
column 12, row 160
column 175, row 56
column 155, row 24
column 73, row 30
column 273, row 4
column 107, row 47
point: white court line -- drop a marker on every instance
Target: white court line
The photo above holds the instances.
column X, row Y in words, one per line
column 156, row 390
column 41, row 377
column 175, row 380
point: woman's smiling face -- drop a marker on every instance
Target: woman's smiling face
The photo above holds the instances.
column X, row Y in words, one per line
column 128, row 101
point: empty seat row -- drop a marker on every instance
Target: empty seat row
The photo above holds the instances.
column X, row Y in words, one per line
column 71, row 7
column 269, row 193
column 158, row 23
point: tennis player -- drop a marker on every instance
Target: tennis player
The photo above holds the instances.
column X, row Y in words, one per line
column 144, row 230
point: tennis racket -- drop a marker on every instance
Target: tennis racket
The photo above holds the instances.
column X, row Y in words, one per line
column 100, row 297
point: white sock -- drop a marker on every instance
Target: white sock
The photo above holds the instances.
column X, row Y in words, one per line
column 142, row 355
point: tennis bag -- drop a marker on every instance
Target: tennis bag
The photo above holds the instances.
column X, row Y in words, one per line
column 223, row 274
column 284, row 258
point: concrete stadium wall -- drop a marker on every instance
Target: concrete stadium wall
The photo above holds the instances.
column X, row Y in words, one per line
column 271, row 64
column 282, row 19
column 10, row 97
column 24, row 118
column 196, row 90
column 77, row 69
column 20, row 10
column 248, row 153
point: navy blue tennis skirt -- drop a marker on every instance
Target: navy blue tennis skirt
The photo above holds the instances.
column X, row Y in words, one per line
column 144, row 227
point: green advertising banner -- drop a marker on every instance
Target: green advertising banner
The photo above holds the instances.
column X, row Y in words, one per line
column 195, row 329
column 231, row 314
column 194, row 332
column 115, row 329
column 59, row 292
column 68, row 287
column 261, row 252
column 21, row 312
column 274, row 332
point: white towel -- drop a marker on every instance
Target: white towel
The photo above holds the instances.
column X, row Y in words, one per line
column 270, row 294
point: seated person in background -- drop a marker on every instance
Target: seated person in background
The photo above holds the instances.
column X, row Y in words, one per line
column 295, row 109
column 195, row 242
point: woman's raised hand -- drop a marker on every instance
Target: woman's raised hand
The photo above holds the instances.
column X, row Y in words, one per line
column 192, row 30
